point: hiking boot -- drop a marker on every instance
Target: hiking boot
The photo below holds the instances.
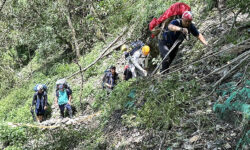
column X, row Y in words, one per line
column 61, row 116
column 70, row 114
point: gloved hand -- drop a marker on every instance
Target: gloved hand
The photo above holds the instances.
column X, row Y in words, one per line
column 184, row 31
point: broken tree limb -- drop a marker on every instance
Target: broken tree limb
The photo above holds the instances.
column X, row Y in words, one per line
column 101, row 55
column 243, row 74
column 229, row 63
column 2, row 5
column 229, row 72
column 208, row 56
column 115, row 47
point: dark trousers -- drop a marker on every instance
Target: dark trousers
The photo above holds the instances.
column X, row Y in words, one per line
column 63, row 106
column 164, row 49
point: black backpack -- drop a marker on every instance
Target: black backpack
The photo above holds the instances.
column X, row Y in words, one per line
column 105, row 77
column 135, row 46
column 128, row 74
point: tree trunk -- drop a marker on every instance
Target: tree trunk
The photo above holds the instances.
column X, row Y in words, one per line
column 73, row 32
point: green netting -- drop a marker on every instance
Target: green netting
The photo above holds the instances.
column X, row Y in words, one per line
column 235, row 108
column 238, row 100
column 244, row 142
column 131, row 95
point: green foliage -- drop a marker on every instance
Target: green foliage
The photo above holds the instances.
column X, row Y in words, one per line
column 238, row 4
column 36, row 33
column 211, row 4
column 155, row 106
column 14, row 137
column 236, row 36
column 14, row 100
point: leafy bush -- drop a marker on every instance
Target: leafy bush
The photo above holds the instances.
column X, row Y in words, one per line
column 15, row 137
column 154, row 106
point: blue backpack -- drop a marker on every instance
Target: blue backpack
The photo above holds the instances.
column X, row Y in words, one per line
column 135, row 46
column 45, row 88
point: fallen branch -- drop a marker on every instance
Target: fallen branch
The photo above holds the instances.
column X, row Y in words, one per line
column 101, row 55
column 194, row 62
column 113, row 48
column 14, row 125
column 229, row 72
column 2, row 5
column 243, row 75
column 162, row 141
column 229, row 63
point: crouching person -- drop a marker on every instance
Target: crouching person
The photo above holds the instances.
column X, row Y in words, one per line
column 63, row 100
column 40, row 101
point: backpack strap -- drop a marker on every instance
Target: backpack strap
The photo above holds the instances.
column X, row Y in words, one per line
column 41, row 100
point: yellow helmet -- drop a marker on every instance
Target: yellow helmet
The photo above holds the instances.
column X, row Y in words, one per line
column 145, row 50
column 124, row 47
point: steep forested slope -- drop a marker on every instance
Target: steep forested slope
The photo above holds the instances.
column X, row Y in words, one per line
column 43, row 41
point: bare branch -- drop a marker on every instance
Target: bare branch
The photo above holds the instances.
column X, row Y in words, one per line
column 101, row 55
column 229, row 72
column 4, row 1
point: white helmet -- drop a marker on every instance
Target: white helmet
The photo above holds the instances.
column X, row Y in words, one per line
column 39, row 87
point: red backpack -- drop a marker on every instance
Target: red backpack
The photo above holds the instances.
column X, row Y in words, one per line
column 176, row 9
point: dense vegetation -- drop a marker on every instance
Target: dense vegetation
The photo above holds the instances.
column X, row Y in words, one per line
column 42, row 41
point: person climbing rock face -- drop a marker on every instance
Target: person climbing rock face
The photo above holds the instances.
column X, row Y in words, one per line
column 63, row 100
column 178, row 29
column 40, row 102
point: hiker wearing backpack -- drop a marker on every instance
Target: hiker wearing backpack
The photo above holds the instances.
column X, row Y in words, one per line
column 177, row 30
column 137, row 58
column 110, row 79
column 64, row 83
column 63, row 100
column 40, row 101
column 127, row 74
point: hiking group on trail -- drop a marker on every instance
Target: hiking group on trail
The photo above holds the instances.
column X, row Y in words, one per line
column 63, row 98
column 171, row 29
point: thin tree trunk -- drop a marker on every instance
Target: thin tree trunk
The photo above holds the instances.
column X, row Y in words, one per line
column 235, row 17
column 73, row 32
column 101, row 55
column 80, row 68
